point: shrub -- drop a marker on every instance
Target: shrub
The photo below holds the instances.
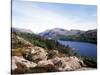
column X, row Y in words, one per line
column 46, row 43
column 90, row 62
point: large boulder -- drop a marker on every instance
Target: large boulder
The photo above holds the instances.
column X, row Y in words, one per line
column 44, row 63
column 52, row 53
column 57, row 64
column 35, row 54
column 21, row 65
column 45, row 66
column 66, row 63
column 38, row 54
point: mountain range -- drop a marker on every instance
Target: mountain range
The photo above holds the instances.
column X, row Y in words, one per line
column 71, row 35
column 63, row 34
column 56, row 32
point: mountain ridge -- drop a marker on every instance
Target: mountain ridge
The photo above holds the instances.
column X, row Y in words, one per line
column 63, row 34
column 59, row 31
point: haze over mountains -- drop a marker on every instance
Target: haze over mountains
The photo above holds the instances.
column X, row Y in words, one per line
column 21, row 30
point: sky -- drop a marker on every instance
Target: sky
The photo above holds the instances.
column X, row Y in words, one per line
column 41, row 16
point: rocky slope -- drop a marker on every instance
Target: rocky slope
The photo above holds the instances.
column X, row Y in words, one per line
column 27, row 58
column 32, row 53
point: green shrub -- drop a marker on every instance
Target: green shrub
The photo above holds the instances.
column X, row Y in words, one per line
column 90, row 62
column 46, row 43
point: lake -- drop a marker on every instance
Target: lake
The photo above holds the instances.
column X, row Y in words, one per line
column 82, row 48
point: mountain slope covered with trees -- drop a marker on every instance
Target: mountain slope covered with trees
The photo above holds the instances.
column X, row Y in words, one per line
column 71, row 35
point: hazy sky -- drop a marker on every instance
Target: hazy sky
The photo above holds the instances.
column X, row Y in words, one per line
column 40, row 16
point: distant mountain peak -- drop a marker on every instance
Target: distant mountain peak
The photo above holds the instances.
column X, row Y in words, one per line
column 59, row 31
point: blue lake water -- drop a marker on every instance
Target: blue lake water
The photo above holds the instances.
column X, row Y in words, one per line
column 82, row 48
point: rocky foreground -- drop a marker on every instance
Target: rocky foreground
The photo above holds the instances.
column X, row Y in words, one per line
column 28, row 58
column 40, row 62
